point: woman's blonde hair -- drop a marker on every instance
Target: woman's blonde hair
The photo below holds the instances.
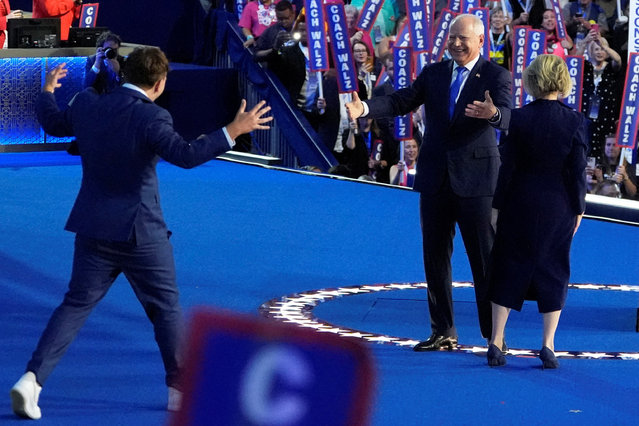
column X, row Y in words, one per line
column 547, row 74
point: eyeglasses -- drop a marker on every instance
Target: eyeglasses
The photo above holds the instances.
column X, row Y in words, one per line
column 360, row 51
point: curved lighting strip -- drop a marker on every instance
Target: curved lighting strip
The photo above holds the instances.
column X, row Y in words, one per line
column 297, row 309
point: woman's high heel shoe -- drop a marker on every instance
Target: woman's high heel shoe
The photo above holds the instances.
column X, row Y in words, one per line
column 495, row 356
column 548, row 358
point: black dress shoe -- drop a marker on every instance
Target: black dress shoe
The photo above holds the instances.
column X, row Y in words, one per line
column 495, row 356
column 436, row 343
column 548, row 358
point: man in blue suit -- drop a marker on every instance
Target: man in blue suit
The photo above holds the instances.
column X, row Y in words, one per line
column 117, row 217
column 465, row 99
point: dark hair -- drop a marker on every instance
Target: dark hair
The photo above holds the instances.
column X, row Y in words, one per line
column 108, row 36
column 368, row 50
column 283, row 5
column 145, row 66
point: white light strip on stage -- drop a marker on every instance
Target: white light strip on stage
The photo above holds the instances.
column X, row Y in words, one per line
column 297, row 309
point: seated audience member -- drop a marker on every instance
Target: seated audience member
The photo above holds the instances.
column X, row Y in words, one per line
column 403, row 173
column 578, row 14
column 6, row 13
column 611, row 171
column 602, row 81
column 285, row 15
column 500, row 48
column 256, row 17
column 66, row 10
column 104, row 69
column 554, row 46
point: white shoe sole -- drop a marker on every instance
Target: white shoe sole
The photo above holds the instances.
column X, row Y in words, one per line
column 19, row 405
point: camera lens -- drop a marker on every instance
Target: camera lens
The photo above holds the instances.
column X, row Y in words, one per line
column 110, row 53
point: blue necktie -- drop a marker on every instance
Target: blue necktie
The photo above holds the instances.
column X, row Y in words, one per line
column 454, row 89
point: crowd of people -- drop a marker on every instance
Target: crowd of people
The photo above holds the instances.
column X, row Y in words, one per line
column 592, row 32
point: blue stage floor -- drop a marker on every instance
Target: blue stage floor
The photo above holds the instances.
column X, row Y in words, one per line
column 244, row 235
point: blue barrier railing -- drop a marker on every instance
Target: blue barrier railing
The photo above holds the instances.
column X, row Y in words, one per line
column 291, row 138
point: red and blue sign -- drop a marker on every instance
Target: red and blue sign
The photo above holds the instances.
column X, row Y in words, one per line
column 576, row 71
column 368, row 14
column 342, row 54
column 561, row 25
column 420, row 18
column 441, row 34
column 535, row 46
column 89, row 15
column 484, row 15
column 467, row 5
column 316, row 36
column 242, row 370
column 403, row 72
column 628, row 117
column 455, row 6
column 519, row 58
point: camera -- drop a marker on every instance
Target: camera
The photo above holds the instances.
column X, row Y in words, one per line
column 110, row 53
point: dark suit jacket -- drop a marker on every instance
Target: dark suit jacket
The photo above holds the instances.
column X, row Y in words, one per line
column 464, row 148
column 289, row 65
column 121, row 137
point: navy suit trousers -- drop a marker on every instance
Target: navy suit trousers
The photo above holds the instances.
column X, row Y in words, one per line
column 150, row 269
column 439, row 214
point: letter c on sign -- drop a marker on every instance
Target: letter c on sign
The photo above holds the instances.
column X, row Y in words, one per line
column 261, row 401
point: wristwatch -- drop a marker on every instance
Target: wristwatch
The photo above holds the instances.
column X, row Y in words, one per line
column 495, row 117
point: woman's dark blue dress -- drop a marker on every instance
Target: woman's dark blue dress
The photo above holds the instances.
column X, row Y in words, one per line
column 540, row 191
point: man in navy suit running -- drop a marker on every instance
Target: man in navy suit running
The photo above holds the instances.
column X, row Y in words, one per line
column 465, row 99
column 117, row 217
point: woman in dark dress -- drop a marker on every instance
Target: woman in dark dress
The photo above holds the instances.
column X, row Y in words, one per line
column 540, row 197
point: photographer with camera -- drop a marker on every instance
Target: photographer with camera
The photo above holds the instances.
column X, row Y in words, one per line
column 104, row 69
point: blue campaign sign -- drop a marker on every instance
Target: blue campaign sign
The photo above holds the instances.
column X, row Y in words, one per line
column 535, row 46
column 455, row 6
column 627, row 127
column 576, row 70
column 403, row 72
column 484, row 15
column 420, row 21
column 89, row 15
column 368, row 14
column 467, row 5
column 316, row 36
column 243, row 370
column 341, row 43
column 440, row 36
column 561, row 24
column 519, row 55
column 403, row 36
